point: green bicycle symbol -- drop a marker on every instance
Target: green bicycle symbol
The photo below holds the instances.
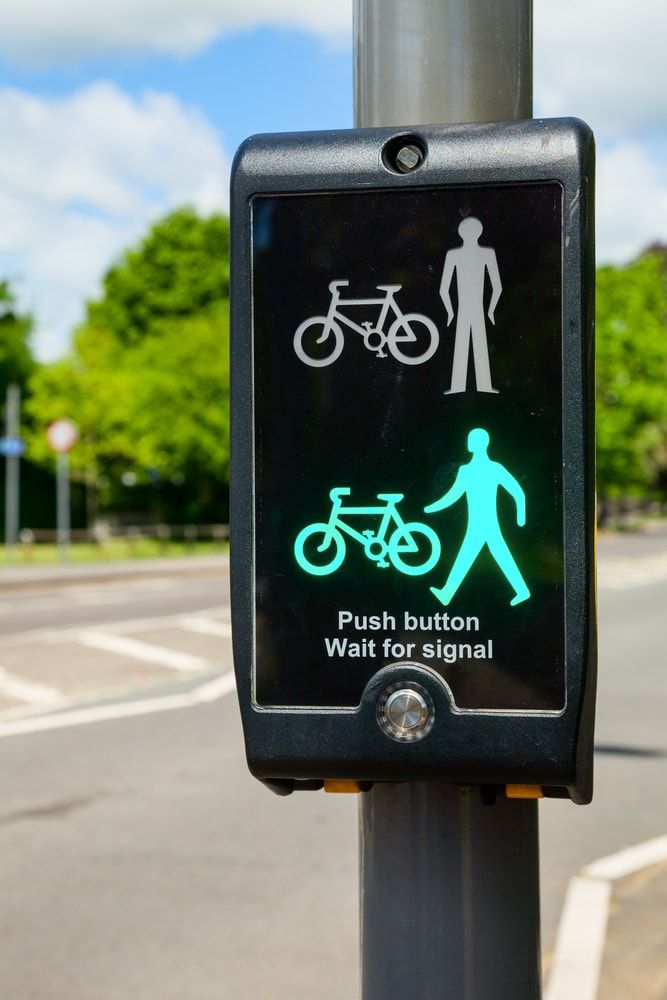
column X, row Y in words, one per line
column 411, row 548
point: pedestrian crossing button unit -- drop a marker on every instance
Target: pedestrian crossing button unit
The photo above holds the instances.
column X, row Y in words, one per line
column 412, row 481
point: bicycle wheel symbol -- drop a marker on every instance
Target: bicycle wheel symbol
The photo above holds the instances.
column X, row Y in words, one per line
column 318, row 342
column 413, row 549
column 319, row 550
column 419, row 332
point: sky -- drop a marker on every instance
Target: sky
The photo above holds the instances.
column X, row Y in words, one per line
column 113, row 114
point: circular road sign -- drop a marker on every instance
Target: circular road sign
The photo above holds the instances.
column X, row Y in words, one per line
column 62, row 435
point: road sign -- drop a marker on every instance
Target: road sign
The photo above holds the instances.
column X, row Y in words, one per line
column 12, row 447
column 413, row 485
column 62, row 435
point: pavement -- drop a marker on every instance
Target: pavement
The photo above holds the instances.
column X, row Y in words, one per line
column 633, row 963
column 139, row 859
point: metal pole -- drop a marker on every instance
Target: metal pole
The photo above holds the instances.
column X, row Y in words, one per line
column 62, row 505
column 421, row 62
column 12, row 469
column 449, row 888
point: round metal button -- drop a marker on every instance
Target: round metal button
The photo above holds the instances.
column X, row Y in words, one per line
column 406, row 713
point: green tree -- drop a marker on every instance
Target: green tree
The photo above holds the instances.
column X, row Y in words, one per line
column 147, row 379
column 631, row 376
column 180, row 387
column 16, row 360
column 180, row 269
column 90, row 386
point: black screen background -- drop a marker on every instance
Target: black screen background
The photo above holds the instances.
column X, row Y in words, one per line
column 376, row 425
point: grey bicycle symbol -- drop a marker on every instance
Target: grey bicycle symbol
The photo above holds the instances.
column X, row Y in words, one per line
column 411, row 337
column 410, row 547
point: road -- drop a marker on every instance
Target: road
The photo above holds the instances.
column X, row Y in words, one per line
column 139, row 859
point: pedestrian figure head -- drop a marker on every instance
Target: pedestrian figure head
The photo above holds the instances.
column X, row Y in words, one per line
column 478, row 441
column 470, row 230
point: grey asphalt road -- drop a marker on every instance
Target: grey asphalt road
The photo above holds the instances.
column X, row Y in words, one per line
column 38, row 598
column 139, row 861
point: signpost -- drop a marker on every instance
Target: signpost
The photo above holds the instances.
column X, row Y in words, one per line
column 413, row 486
column 12, row 447
column 62, row 435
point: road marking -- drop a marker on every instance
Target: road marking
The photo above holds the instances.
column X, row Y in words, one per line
column 29, row 691
column 575, row 972
column 210, row 691
column 205, row 626
column 71, row 633
column 137, row 650
column 215, row 689
column 95, row 600
column 112, row 593
column 580, row 941
column 30, row 604
column 117, row 593
column 629, row 861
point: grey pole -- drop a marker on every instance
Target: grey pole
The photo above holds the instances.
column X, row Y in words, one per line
column 421, row 62
column 12, row 469
column 62, row 505
column 449, row 888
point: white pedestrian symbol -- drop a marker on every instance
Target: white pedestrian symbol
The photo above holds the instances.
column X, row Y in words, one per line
column 470, row 262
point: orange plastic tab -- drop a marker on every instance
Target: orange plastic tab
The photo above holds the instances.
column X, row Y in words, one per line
column 524, row 792
column 341, row 785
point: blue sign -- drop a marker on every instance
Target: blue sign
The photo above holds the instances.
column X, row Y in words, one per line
column 12, row 447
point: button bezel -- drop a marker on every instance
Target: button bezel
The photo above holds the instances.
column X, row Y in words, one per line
column 389, row 727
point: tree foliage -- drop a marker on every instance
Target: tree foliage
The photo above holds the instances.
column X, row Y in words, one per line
column 631, row 376
column 180, row 269
column 147, row 380
column 16, row 360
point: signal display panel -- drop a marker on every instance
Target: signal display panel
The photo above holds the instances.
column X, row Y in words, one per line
column 408, row 494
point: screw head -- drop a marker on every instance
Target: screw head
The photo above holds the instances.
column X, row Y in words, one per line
column 408, row 158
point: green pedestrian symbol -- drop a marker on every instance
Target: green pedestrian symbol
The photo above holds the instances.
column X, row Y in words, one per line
column 478, row 481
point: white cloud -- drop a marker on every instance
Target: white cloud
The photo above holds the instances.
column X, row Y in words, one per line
column 603, row 61
column 632, row 202
column 45, row 32
column 81, row 177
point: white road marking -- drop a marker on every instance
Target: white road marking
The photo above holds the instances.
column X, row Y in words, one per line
column 624, row 573
column 580, row 941
column 145, row 651
column 575, row 972
column 217, row 688
column 29, row 691
column 629, row 861
column 95, row 600
column 205, row 626
column 70, row 633
column 111, row 593
column 208, row 692
column 29, row 604
column 119, row 593
column 133, row 624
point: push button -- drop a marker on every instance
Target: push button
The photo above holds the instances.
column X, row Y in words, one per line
column 406, row 712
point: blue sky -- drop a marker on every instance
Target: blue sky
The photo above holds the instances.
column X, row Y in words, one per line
column 112, row 115
column 259, row 80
